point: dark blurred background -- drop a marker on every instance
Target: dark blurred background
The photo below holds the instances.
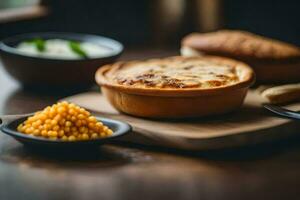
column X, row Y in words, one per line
column 151, row 22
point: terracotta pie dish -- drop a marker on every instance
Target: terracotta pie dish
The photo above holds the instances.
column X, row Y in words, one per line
column 176, row 87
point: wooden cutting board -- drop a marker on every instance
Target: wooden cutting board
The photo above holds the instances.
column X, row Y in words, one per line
column 251, row 124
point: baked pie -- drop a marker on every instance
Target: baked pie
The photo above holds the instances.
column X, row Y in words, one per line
column 176, row 86
column 272, row 60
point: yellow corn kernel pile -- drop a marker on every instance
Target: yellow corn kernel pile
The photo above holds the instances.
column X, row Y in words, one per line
column 65, row 121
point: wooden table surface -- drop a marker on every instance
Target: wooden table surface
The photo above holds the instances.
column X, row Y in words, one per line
column 265, row 171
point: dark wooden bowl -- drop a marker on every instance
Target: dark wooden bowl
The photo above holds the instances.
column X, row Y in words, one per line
column 39, row 72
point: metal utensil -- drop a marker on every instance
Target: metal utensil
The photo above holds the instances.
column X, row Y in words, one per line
column 9, row 123
column 282, row 111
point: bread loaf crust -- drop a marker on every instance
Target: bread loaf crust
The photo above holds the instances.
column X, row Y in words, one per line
column 241, row 44
column 272, row 60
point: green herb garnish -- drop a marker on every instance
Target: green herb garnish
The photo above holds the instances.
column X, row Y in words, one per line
column 76, row 48
column 38, row 43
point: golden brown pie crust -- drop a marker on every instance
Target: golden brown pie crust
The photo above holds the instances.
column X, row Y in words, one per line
column 167, row 91
column 272, row 60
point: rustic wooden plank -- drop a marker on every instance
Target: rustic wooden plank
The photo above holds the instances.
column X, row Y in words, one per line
column 251, row 124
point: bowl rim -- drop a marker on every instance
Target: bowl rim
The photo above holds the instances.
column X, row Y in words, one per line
column 116, row 47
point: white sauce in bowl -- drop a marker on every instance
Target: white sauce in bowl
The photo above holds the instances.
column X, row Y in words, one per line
column 60, row 49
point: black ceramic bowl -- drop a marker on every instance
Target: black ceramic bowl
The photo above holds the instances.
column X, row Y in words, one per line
column 119, row 129
column 38, row 72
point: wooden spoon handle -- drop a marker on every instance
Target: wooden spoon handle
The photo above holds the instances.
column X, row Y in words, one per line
column 282, row 94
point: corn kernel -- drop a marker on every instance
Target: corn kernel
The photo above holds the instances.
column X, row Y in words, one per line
column 85, row 136
column 78, row 123
column 94, row 136
column 54, row 134
column 81, row 110
column 29, row 130
column 64, row 138
column 76, row 133
column 62, row 122
column 73, row 129
column 73, row 119
column 92, row 119
column 82, row 129
column 55, row 128
column 44, row 133
column 36, row 132
column 20, row 127
column 109, row 132
column 30, row 119
column 72, row 111
column 53, row 122
column 71, row 138
column 61, row 133
column 67, row 129
column 105, row 129
column 47, row 126
column 57, row 117
column 79, row 137
column 52, row 112
column 81, row 116
column 100, row 124
column 91, row 125
column 71, row 105
column 102, row 134
column 64, row 103
column 61, row 110
column 68, row 124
